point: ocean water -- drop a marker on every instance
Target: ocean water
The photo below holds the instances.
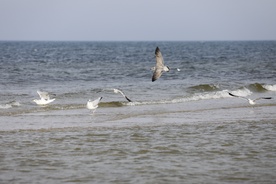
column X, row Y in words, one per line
column 182, row 128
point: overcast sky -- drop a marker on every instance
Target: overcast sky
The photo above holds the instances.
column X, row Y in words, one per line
column 140, row 20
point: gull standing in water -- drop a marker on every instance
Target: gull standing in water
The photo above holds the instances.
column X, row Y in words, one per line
column 159, row 67
column 93, row 105
column 119, row 91
column 44, row 98
column 251, row 102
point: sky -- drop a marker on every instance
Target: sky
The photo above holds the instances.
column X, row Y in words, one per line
column 140, row 20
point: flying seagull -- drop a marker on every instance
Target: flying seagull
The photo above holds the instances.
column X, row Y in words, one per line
column 252, row 102
column 119, row 91
column 159, row 67
column 93, row 105
column 153, row 68
column 44, row 98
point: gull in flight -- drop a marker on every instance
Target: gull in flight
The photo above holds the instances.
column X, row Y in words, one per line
column 159, row 67
column 153, row 68
column 93, row 105
column 251, row 102
column 44, row 98
column 119, row 91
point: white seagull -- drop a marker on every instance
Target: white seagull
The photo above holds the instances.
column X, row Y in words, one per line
column 44, row 98
column 159, row 67
column 93, row 105
column 251, row 102
column 153, row 68
column 119, row 91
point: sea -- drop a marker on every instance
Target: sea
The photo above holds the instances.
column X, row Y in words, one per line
column 182, row 128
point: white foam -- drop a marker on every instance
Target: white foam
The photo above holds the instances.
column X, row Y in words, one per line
column 195, row 97
column 204, row 96
column 10, row 105
column 241, row 92
column 15, row 104
column 270, row 87
column 6, row 106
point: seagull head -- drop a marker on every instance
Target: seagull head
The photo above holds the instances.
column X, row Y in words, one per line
column 116, row 91
column 251, row 102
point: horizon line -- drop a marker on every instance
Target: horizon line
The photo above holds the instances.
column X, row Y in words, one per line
column 138, row 40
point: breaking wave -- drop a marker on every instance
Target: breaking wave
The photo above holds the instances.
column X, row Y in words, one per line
column 202, row 92
column 204, row 87
column 269, row 87
column 197, row 97
column 257, row 87
column 10, row 105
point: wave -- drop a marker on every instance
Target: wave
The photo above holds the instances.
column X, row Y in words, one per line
column 197, row 97
column 269, row 87
column 51, row 107
column 257, row 87
column 5, row 106
column 214, row 95
column 10, row 105
column 241, row 92
column 204, row 87
column 112, row 104
column 209, row 95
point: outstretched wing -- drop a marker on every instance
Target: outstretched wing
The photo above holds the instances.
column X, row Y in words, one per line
column 267, row 98
column 43, row 95
column 237, row 96
column 119, row 91
column 156, row 74
column 159, row 59
column 96, row 102
column 232, row 94
column 159, row 67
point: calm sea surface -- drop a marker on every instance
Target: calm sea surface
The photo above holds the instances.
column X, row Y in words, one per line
column 182, row 128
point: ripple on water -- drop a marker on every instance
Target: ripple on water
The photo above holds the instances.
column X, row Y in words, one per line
column 195, row 153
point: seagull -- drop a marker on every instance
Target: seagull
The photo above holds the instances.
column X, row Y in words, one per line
column 93, row 105
column 159, row 67
column 153, row 68
column 251, row 102
column 44, row 98
column 119, row 91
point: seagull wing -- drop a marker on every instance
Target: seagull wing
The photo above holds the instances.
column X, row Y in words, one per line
column 117, row 90
column 159, row 65
column 267, row 98
column 238, row 96
column 96, row 102
column 156, row 74
column 128, row 99
column 159, row 59
column 43, row 95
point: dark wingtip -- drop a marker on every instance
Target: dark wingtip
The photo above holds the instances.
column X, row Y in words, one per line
column 230, row 94
column 157, row 50
column 128, row 99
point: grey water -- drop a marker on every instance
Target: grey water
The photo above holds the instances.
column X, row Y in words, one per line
column 184, row 127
